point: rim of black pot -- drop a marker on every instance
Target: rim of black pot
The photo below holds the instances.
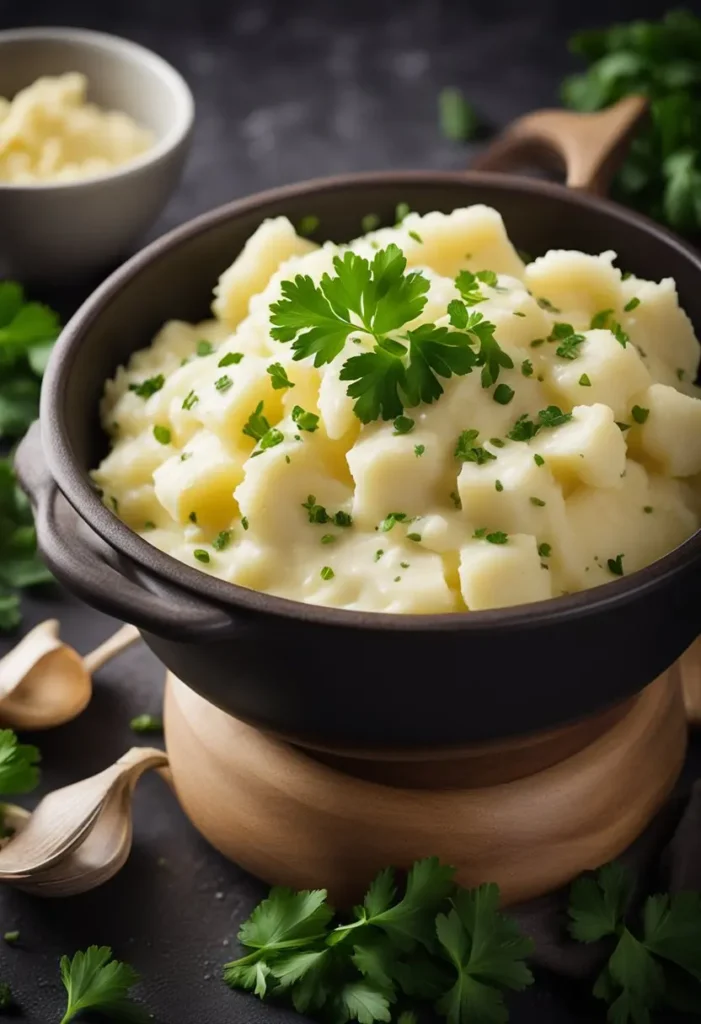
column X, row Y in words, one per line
column 76, row 486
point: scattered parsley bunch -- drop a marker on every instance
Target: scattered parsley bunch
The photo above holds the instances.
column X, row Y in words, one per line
column 377, row 300
column 655, row 961
column 658, row 59
column 435, row 942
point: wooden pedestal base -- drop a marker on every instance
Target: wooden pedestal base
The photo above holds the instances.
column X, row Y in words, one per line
column 529, row 814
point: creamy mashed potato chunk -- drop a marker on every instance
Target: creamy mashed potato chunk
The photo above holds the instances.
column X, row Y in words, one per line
column 414, row 422
column 48, row 132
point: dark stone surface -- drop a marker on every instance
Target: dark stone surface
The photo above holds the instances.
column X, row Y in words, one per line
column 284, row 91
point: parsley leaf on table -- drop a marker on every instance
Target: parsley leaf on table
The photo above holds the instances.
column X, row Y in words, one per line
column 653, row 964
column 659, row 59
column 458, row 118
column 18, row 764
column 391, row 949
column 28, row 331
column 487, row 952
column 94, row 981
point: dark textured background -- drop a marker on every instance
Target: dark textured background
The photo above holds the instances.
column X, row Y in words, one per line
column 284, row 91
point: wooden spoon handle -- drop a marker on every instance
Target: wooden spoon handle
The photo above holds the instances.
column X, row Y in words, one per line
column 591, row 146
column 110, row 648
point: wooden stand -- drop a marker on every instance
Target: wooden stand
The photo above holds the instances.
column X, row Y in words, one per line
column 529, row 814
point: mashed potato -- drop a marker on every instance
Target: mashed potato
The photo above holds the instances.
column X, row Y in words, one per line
column 576, row 466
column 49, row 133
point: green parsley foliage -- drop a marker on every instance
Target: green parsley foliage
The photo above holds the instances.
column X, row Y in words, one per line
column 659, row 59
column 278, row 376
column 487, row 952
column 655, row 960
column 396, row 946
column 308, row 421
column 458, row 118
column 20, row 566
column 377, row 299
column 147, row 724
column 6, row 998
column 28, row 331
column 256, row 425
column 18, row 764
column 467, row 450
column 94, row 981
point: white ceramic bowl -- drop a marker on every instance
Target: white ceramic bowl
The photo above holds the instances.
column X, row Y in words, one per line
column 51, row 231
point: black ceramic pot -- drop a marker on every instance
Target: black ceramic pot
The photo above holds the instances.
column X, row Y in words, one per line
column 323, row 676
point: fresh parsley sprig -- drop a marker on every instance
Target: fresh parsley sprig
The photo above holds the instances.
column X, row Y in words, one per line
column 20, row 566
column 377, row 300
column 28, row 331
column 397, row 945
column 94, row 981
column 656, row 959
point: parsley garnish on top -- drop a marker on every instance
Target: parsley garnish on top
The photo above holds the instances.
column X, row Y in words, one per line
column 377, row 299
column 149, row 386
column 278, row 376
column 468, row 451
column 256, row 425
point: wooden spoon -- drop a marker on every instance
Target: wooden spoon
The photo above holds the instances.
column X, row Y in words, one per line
column 44, row 682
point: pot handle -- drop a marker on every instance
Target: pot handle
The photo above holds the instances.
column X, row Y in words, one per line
column 591, row 146
column 85, row 571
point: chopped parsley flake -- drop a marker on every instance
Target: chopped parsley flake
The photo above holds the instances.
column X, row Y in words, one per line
column 599, row 320
column 401, row 211
column 553, row 416
column 619, row 334
column 527, row 368
column 584, row 381
column 497, row 442
column 416, row 236
column 455, row 498
column 615, row 565
column 622, row 426
column 479, row 534
column 317, row 513
column 394, row 517
column 467, row 451
column 648, row 509
column 403, row 425
column 498, row 485
column 524, row 428
column 201, row 555
column 370, row 222
column 230, row 359
column 544, row 550
column 680, row 373
column 632, row 304
column 190, row 400
column 397, row 579
column 148, row 387
column 518, row 313
column 192, row 517
column 416, row 537
column 539, row 460
column 547, row 304
column 185, row 456
column 162, row 434
column 328, row 538
column 569, row 347
column 538, row 502
column 343, row 519
column 223, row 383
column 308, row 421
column 378, row 555
column 497, row 538
column 503, row 394
column 537, row 342
column 244, row 522
column 149, row 525
column 278, row 377
column 256, row 425
column 419, row 449
column 404, row 565
column 204, row 348
column 222, row 540
column 308, row 225
column 458, row 118
column 271, row 438
column 327, row 573
column 639, row 414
